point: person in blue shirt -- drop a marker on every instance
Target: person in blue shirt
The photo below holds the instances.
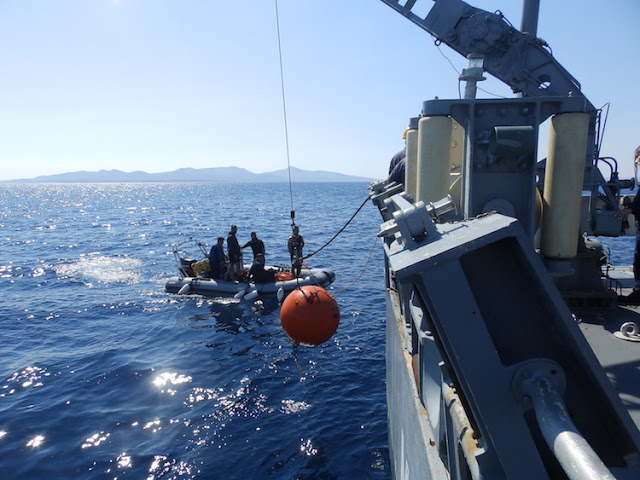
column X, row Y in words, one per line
column 217, row 259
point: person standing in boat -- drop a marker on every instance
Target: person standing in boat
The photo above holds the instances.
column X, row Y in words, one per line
column 295, row 244
column 235, row 254
column 257, row 245
column 216, row 259
column 632, row 207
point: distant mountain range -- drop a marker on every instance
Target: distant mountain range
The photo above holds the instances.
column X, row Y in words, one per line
column 214, row 175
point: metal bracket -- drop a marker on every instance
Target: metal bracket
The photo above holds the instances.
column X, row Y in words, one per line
column 414, row 221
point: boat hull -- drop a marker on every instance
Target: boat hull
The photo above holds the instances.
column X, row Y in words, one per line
column 412, row 449
column 222, row 288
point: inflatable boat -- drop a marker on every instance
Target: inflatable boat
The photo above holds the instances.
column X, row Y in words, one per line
column 194, row 278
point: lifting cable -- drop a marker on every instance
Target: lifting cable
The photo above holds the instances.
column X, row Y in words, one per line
column 284, row 109
column 286, row 135
column 286, row 128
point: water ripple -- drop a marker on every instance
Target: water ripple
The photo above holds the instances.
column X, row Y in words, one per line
column 123, row 380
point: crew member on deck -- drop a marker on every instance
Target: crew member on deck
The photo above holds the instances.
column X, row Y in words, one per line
column 397, row 164
column 295, row 244
column 397, row 167
column 632, row 207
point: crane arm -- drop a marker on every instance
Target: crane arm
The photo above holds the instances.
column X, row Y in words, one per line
column 517, row 59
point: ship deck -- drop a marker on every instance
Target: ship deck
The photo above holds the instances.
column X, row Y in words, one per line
column 619, row 358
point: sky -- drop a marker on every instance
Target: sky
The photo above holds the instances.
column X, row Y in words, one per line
column 157, row 85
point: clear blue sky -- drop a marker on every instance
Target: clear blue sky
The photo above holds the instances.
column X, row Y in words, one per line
column 157, row 85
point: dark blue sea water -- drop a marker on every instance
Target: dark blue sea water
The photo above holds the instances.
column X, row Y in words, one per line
column 103, row 375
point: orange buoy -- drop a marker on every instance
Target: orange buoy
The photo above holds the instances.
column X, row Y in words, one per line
column 310, row 315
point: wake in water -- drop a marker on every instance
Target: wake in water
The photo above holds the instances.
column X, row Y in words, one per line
column 93, row 268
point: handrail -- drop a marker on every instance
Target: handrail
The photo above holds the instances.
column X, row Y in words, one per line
column 176, row 250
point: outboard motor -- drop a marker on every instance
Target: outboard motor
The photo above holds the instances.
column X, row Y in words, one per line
column 185, row 267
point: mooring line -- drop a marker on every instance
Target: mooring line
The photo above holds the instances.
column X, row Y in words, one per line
column 295, row 358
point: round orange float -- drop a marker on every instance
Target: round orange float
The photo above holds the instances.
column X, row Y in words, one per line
column 310, row 315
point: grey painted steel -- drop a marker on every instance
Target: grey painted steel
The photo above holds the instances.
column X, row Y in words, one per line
column 518, row 59
column 412, row 447
column 472, row 75
column 487, row 308
column 530, row 11
column 471, row 305
column 495, row 178
column 523, row 62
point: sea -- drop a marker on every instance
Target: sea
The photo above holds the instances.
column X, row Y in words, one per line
column 104, row 375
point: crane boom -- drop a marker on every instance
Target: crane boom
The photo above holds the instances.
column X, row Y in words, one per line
column 517, row 59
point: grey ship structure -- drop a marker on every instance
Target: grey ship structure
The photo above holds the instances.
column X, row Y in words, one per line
column 508, row 356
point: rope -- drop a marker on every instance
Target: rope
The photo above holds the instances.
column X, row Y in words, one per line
column 339, row 231
column 310, row 273
column 295, row 358
column 284, row 108
column 375, row 241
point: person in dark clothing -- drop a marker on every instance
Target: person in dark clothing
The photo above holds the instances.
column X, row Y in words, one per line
column 397, row 163
column 258, row 273
column 396, row 159
column 294, row 245
column 257, row 245
column 235, row 254
column 632, row 207
column 397, row 167
column 216, row 259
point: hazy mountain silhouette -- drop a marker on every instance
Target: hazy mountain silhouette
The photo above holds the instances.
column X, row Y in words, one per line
column 214, row 175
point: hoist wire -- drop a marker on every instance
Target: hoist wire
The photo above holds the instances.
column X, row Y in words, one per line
column 284, row 107
column 339, row 231
column 286, row 134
